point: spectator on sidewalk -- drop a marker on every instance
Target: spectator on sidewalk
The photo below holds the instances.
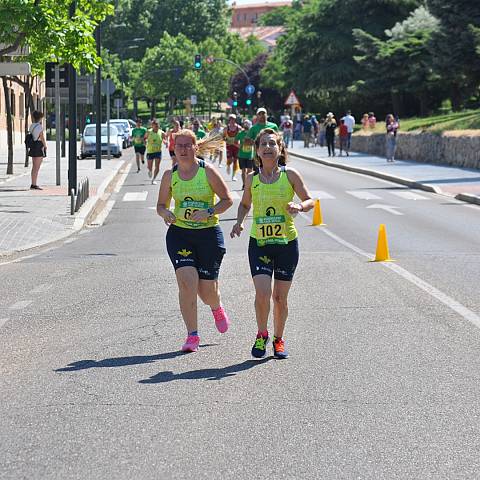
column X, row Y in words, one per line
column 307, row 128
column 392, row 126
column 287, row 128
column 372, row 121
column 349, row 120
column 330, row 126
column 321, row 132
column 38, row 150
column 365, row 122
column 343, row 137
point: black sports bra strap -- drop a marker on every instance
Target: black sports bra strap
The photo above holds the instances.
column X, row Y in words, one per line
column 201, row 163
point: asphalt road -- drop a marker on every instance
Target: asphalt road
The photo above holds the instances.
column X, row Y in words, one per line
column 382, row 382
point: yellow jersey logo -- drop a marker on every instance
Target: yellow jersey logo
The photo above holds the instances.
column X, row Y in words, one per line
column 184, row 252
column 265, row 259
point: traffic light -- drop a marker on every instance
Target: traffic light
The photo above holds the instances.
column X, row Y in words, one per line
column 88, row 118
column 198, row 62
column 248, row 102
column 235, row 103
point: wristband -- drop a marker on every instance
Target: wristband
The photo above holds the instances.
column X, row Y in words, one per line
column 211, row 211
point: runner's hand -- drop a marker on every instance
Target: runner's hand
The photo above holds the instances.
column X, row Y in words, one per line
column 293, row 208
column 236, row 230
column 199, row 216
column 169, row 218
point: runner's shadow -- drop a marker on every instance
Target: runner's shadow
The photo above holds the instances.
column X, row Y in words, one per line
column 205, row 373
column 122, row 361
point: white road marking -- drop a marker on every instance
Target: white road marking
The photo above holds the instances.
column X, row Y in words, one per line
column 407, row 195
column 123, row 177
column 135, row 196
column 321, row 195
column 70, row 240
column 20, row 305
column 235, row 195
column 101, row 217
column 3, row 321
column 363, row 195
column 387, row 208
column 450, row 302
column 42, row 288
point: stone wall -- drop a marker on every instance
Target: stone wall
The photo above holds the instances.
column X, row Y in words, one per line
column 451, row 148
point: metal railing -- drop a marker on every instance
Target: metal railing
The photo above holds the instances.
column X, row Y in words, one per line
column 83, row 192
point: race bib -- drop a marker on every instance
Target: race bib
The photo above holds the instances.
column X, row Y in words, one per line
column 271, row 230
column 187, row 207
column 246, row 148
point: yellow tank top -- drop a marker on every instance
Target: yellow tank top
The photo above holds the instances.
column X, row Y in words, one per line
column 272, row 224
column 192, row 195
column 154, row 141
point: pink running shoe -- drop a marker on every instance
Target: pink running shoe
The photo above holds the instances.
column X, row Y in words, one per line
column 191, row 343
column 222, row 322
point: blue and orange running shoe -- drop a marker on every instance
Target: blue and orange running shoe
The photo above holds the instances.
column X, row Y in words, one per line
column 259, row 348
column 279, row 350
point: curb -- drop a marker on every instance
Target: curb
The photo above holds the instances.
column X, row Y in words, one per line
column 464, row 197
column 86, row 212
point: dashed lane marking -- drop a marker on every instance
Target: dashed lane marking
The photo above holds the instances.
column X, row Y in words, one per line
column 42, row 288
column 363, row 195
column 135, row 196
column 321, row 195
column 20, row 305
column 407, row 195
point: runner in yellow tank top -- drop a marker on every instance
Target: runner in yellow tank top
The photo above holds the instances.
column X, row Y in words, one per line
column 194, row 239
column 273, row 247
column 154, row 138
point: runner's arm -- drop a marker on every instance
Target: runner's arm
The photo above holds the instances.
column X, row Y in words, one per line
column 302, row 192
column 244, row 207
column 221, row 190
column 164, row 198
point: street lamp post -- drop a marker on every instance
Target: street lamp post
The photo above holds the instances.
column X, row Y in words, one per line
column 98, row 103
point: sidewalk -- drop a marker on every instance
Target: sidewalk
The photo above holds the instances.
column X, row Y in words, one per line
column 462, row 183
column 32, row 218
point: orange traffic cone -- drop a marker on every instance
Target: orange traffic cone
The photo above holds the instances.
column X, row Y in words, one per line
column 382, row 254
column 317, row 219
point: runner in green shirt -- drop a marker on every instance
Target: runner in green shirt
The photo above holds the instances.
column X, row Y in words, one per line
column 199, row 133
column 138, row 136
column 259, row 126
column 245, row 154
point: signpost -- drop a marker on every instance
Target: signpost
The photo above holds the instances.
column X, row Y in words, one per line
column 249, row 89
column 12, row 68
column 292, row 102
column 57, row 123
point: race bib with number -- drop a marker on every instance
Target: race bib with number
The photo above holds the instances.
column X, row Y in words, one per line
column 187, row 207
column 271, row 230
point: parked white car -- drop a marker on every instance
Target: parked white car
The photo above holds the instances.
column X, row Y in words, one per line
column 125, row 128
column 88, row 145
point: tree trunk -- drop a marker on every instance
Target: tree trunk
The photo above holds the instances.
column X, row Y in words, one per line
column 8, row 109
column 456, row 97
column 153, row 108
column 28, row 106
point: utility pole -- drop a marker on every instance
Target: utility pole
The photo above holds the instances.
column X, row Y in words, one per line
column 72, row 121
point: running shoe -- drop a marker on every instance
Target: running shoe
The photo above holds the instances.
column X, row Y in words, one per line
column 279, row 350
column 259, row 348
column 154, row 182
column 222, row 322
column 191, row 343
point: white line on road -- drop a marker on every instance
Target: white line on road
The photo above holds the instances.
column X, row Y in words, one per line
column 123, row 177
column 70, row 240
column 321, row 195
column 409, row 195
column 3, row 321
column 101, row 217
column 20, row 305
column 135, row 196
column 42, row 288
column 450, row 302
column 235, row 196
column 363, row 195
column 387, row 208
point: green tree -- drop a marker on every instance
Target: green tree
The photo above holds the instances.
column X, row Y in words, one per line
column 453, row 47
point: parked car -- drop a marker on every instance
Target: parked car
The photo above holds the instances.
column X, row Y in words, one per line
column 88, row 144
column 124, row 126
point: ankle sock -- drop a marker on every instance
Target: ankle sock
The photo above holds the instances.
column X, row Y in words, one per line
column 194, row 333
column 262, row 334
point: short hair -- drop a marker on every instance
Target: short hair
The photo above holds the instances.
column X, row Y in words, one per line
column 37, row 115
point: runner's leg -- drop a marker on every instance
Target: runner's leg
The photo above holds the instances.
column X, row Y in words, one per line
column 157, row 168
column 280, row 306
column 209, row 293
column 263, row 294
column 187, row 280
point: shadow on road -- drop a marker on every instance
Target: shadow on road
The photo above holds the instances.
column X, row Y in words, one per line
column 122, row 361
column 205, row 373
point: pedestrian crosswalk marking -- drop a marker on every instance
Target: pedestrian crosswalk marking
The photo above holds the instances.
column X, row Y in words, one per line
column 21, row 305
column 135, row 196
column 407, row 195
column 321, row 195
column 363, row 195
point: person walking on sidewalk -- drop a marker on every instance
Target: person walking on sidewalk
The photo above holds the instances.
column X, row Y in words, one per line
column 392, row 126
column 343, row 137
column 273, row 247
column 349, row 120
column 330, row 126
column 195, row 241
column 38, row 149
column 321, row 132
column 154, row 139
column 138, row 135
column 307, row 128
